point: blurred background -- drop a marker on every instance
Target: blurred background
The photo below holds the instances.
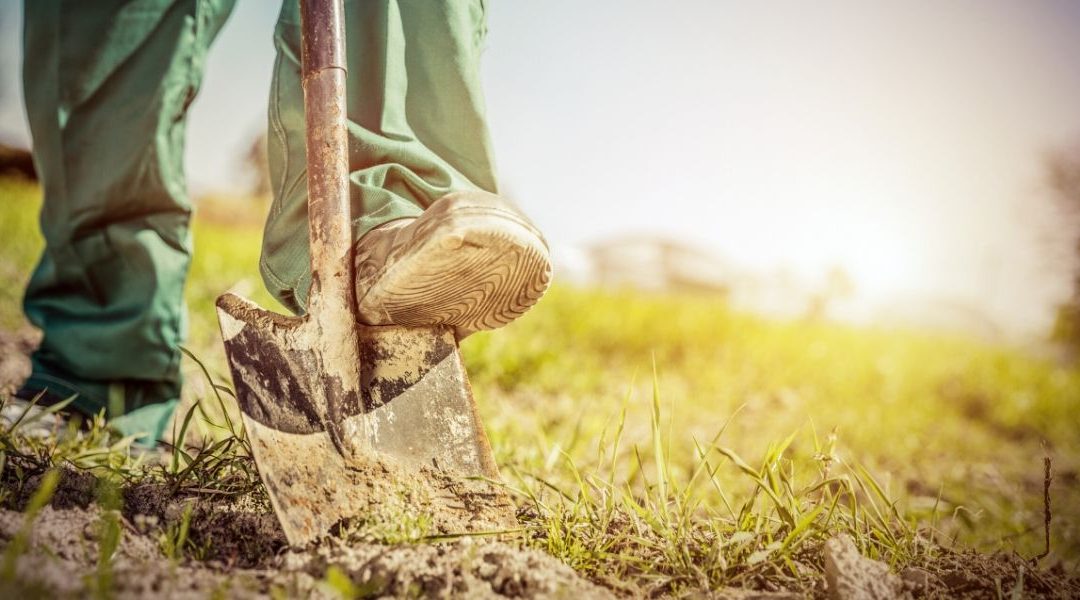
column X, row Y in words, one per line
column 904, row 163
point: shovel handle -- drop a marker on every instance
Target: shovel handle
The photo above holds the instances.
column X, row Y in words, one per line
column 329, row 218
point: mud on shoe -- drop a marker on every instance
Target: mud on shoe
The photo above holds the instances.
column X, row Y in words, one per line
column 470, row 261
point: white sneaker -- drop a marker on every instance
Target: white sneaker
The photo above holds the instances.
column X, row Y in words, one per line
column 470, row 261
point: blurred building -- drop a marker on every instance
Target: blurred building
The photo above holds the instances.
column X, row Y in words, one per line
column 658, row 264
column 653, row 263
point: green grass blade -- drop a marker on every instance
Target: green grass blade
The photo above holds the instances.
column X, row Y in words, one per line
column 659, row 457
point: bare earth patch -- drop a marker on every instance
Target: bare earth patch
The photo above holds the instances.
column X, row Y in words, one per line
column 243, row 554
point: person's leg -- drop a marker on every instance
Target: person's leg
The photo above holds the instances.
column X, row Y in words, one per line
column 107, row 87
column 416, row 123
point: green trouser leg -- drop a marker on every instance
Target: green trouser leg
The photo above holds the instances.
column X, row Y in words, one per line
column 416, row 123
column 107, row 85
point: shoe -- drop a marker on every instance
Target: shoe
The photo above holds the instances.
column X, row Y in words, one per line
column 470, row 261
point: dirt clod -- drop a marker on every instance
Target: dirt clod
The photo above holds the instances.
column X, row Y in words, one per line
column 851, row 576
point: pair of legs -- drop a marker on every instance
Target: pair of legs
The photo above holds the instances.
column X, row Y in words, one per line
column 108, row 84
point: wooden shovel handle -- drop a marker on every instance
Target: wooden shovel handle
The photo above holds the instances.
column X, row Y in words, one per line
column 330, row 228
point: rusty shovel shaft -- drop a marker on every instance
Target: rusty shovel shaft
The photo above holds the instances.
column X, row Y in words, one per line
column 329, row 212
column 332, row 299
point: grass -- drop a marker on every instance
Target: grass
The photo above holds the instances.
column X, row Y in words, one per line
column 953, row 431
column 666, row 440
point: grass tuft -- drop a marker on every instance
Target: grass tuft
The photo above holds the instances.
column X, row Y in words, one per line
column 677, row 534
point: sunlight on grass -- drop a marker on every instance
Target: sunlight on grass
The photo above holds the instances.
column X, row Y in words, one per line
column 20, row 244
column 752, row 439
column 953, row 429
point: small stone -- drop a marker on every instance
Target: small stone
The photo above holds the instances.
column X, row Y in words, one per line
column 851, row 576
column 145, row 523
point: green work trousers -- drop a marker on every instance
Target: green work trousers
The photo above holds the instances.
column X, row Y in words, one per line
column 108, row 84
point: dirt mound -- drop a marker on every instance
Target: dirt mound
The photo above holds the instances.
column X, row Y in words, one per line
column 973, row 575
column 64, row 558
column 949, row 574
column 466, row 568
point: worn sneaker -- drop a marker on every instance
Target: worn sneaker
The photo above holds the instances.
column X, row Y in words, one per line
column 470, row 261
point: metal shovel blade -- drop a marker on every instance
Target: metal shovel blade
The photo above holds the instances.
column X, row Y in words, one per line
column 404, row 434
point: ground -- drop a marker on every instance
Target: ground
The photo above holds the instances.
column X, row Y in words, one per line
column 655, row 445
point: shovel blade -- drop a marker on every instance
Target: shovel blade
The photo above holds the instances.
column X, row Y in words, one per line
column 400, row 433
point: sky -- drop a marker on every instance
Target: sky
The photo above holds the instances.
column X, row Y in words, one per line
column 899, row 141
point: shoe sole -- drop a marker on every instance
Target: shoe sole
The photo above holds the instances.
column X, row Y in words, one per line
column 479, row 271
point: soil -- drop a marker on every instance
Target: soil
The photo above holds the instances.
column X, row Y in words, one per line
column 240, row 551
column 15, row 349
column 951, row 574
column 64, row 557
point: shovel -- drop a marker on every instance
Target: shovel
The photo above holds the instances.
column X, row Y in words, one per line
column 346, row 421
